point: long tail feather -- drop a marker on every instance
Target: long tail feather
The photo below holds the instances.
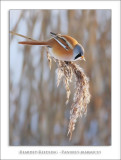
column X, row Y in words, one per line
column 33, row 43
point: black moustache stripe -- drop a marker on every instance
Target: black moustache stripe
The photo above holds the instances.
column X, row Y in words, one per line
column 78, row 56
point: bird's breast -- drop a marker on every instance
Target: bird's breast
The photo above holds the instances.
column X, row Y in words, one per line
column 60, row 53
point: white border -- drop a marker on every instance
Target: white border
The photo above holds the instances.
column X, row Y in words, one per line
column 111, row 152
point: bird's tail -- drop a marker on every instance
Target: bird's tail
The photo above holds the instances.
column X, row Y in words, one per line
column 33, row 43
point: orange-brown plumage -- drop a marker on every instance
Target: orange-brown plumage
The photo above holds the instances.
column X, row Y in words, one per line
column 62, row 47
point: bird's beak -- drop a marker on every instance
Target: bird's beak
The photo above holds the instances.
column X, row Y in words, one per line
column 83, row 58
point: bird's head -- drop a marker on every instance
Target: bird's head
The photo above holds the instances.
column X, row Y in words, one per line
column 78, row 52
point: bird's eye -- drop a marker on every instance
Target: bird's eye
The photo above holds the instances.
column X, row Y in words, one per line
column 78, row 56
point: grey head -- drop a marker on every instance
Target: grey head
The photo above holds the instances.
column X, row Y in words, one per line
column 78, row 52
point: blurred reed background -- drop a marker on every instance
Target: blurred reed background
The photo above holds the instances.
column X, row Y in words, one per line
column 38, row 114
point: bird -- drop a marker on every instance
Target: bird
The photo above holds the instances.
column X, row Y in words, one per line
column 61, row 47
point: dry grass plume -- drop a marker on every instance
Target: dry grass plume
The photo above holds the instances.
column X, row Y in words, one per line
column 81, row 98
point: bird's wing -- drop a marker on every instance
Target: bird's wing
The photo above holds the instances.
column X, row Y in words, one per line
column 62, row 41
